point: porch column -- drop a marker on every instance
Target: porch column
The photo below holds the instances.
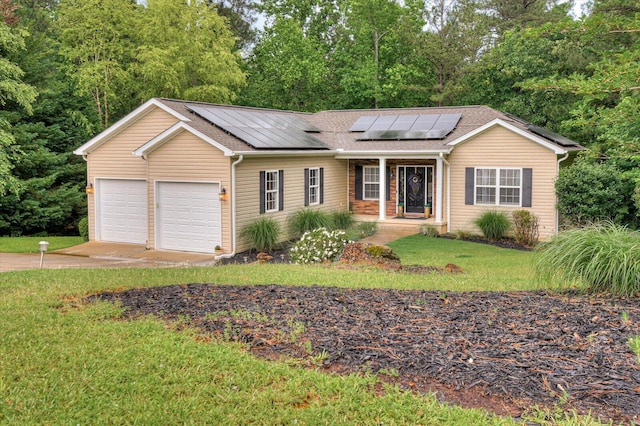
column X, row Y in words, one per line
column 439, row 189
column 382, row 163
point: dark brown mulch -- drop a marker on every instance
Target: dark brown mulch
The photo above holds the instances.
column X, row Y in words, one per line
column 504, row 351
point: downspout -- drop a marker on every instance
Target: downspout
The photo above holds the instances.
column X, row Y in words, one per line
column 566, row 155
column 233, row 210
column 448, row 191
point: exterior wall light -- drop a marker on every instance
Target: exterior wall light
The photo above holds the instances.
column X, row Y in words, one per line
column 43, row 248
column 89, row 189
column 223, row 195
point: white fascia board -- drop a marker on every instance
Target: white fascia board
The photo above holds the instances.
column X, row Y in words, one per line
column 391, row 154
column 125, row 122
column 287, row 153
column 172, row 132
column 498, row 122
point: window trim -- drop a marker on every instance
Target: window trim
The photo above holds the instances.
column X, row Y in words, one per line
column 365, row 182
column 314, row 175
column 498, row 187
column 275, row 191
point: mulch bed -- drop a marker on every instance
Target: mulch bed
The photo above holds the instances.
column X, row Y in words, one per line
column 504, row 351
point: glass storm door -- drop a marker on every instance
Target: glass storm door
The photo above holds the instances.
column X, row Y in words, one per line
column 416, row 187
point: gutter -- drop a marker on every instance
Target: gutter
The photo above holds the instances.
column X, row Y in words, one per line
column 233, row 211
column 566, row 155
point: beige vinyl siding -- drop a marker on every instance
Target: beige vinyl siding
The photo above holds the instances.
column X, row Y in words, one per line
column 187, row 158
column 499, row 147
column 248, row 188
column 115, row 159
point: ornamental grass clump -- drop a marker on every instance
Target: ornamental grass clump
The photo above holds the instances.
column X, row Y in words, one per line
column 262, row 234
column 318, row 246
column 308, row 219
column 601, row 257
column 493, row 224
column 342, row 220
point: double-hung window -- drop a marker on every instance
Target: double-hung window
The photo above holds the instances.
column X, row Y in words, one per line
column 271, row 191
column 498, row 186
column 371, row 182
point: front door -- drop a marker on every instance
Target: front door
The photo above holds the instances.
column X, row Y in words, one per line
column 415, row 187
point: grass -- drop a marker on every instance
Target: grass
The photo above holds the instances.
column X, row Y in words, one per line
column 30, row 244
column 602, row 257
column 66, row 362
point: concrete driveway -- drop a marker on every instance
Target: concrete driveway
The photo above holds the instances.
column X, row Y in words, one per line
column 103, row 255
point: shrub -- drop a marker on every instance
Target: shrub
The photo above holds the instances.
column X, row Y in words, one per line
column 342, row 220
column 309, row 219
column 590, row 192
column 262, row 233
column 83, row 228
column 430, row 231
column 493, row 224
column 318, row 245
column 525, row 227
column 603, row 257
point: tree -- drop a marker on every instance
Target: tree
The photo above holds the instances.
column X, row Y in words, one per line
column 97, row 38
column 14, row 94
column 186, row 51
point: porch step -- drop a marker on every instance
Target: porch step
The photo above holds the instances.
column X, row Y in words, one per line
column 408, row 224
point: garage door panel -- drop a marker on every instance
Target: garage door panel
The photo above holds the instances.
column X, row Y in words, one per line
column 188, row 216
column 122, row 211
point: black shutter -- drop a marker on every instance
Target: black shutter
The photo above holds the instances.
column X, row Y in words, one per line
column 358, row 183
column 306, row 187
column 527, row 187
column 469, row 183
column 262, row 193
column 321, row 185
column 281, row 189
column 389, row 187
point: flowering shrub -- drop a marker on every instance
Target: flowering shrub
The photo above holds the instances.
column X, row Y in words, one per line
column 318, row 245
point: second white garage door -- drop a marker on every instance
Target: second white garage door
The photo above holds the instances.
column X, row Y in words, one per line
column 188, row 216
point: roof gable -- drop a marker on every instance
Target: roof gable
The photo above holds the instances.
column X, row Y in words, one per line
column 171, row 133
column 498, row 122
column 126, row 122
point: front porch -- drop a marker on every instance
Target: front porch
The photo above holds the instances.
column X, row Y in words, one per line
column 409, row 224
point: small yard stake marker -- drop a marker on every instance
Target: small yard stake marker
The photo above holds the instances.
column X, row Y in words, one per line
column 43, row 248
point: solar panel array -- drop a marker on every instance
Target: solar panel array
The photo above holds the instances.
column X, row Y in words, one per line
column 405, row 127
column 262, row 130
column 552, row 136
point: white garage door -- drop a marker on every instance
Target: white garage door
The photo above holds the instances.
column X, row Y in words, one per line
column 188, row 216
column 122, row 211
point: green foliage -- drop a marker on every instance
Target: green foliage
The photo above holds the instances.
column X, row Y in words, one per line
column 603, row 257
column 342, row 220
column 319, row 245
column 634, row 345
column 362, row 230
column 525, row 227
column 493, row 224
column 263, row 234
column 308, row 219
column 430, row 231
column 83, row 228
column 590, row 191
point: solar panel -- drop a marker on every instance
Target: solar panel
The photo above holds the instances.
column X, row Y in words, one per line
column 262, row 130
column 552, row 136
column 363, row 123
column 403, row 122
column 406, row 127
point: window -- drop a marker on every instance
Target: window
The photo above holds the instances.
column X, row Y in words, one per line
column 371, row 182
column 498, row 186
column 271, row 191
column 313, row 184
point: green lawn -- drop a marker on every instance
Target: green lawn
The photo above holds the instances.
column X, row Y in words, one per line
column 66, row 362
column 31, row 244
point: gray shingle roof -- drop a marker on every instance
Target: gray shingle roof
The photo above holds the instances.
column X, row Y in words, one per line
column 335, row 124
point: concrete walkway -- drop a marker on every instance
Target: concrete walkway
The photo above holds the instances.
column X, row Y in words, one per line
column 384, row 236
column 103, row 255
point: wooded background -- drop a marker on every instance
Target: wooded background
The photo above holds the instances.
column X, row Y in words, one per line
column 71, row 68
